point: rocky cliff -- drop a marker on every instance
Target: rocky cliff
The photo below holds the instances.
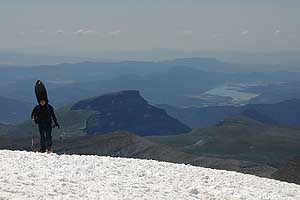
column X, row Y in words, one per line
column 129, row 111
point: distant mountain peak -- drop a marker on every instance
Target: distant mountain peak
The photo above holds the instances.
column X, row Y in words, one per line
column 128, row 111
column 104, row 102
column 128, row 92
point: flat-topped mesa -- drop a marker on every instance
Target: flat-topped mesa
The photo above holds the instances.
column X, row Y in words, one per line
column 128, row 111
column 110, row 101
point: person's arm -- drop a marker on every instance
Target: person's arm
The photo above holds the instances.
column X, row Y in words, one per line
column 33, row 113
column 54, row 117
column 33, row 116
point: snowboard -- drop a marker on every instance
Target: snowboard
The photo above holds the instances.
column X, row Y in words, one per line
column 40, row 92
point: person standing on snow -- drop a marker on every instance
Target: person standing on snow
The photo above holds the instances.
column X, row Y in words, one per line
column 43, row 115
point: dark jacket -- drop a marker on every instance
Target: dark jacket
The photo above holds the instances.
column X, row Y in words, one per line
column 44, row 115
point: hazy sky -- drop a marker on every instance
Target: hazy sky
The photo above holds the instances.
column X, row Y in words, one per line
column 89, row 27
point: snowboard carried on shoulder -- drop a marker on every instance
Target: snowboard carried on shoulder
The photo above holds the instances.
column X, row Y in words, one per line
column 40, row 92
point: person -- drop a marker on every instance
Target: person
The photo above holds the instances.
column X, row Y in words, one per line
column 43, row 115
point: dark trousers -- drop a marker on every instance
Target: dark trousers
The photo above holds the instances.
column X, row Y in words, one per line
column 45, row 136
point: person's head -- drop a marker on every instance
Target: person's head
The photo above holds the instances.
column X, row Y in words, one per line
column 42, row 102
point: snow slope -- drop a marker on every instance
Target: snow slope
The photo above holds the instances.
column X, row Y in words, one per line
column 26, row 175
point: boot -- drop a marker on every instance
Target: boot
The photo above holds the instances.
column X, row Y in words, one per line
column 49, row 150
column 42, row 151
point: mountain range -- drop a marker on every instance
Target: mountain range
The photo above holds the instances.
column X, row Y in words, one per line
column 177, row 82
column 284, row 113
column 239, row 138
column 241, row 142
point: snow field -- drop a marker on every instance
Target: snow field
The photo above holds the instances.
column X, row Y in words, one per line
column 28, row 175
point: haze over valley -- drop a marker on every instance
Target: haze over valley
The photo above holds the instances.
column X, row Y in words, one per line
column 203, row 83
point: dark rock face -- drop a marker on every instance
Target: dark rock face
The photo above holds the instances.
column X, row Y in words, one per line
column 290, row 172
column 127, row 110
